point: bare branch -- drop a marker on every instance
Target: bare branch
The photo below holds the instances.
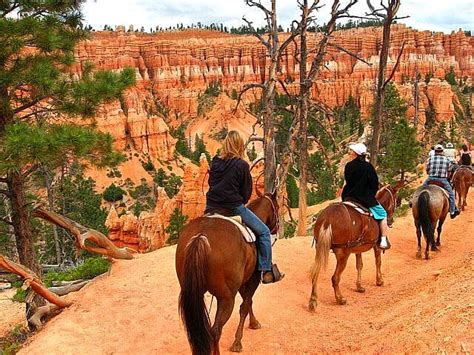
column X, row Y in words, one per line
column 256, row 34
column 246, row 88
column 349, row 52
column 397, row 63
column 5, row 192
column 256, row 162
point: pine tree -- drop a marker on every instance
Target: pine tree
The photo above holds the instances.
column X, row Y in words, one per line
column 37, row 39
column 402, row 151
column 176, row 225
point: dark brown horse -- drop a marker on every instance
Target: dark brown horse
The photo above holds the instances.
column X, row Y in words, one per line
column 462, row 180
column 430, row 206
column 344, row 230
column 213, row 256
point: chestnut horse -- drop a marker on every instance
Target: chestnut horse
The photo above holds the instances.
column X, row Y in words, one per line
column 344, row 230
column 430, row 206
column 213, row 256
column 462, row 180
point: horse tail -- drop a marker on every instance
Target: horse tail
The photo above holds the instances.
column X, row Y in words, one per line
column 424, row 214
column 192, row 307
column 322, row 250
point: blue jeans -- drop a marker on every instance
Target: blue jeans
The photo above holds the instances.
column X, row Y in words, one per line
column 447, row 187
column 262, row 232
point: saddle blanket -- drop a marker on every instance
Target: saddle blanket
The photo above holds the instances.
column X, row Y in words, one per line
column 249, row 236
column 358, row 208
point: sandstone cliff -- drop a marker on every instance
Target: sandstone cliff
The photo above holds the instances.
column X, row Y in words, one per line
column 173, row 71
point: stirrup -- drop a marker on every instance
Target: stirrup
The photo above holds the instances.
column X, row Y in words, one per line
column 275, row 274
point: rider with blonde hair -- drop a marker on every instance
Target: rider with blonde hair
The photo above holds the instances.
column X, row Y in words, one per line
column 230, row 187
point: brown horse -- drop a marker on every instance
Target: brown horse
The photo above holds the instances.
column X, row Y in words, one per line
column 213, row 256
column 462, row 180
column 430, row 206
column 344, row 230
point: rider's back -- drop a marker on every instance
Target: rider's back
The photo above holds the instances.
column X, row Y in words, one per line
column 361, row 182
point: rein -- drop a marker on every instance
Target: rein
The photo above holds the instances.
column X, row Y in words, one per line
column 275, row 215
column 392, row 197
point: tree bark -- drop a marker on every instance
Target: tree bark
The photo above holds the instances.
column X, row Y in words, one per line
column 391, row 12
column 303, row 120
column 21, row 220
column 49, row 191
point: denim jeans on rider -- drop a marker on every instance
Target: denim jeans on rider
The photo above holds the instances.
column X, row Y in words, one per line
column 262, row 232
column 447, row 187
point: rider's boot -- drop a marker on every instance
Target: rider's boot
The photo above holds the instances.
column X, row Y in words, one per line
column 273, row 275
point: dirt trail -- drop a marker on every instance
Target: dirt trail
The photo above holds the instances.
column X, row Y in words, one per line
column 424, row 306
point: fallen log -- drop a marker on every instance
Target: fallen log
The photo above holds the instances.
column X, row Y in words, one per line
column 33, row 281
column 86, row 238
column 64, row 290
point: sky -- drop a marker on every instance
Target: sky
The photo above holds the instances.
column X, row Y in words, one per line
column 434, row 15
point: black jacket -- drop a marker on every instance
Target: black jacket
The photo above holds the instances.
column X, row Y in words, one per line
column 230, row 183
column 362, row 182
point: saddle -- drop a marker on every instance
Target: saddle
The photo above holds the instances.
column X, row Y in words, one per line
column 358, row 207
column 227, row 215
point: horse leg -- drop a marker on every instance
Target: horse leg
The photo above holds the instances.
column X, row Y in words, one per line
column 225, row 305
column 439, row 229
column 434, row 246
column 378, row 266
column 341, row 256
column 246, row 291
column 359, row 265
column 418, row 236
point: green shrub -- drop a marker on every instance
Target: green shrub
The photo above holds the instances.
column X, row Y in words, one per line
column 11, row 343
column 176, row 225
column 20, row 295
column 148, row 165
column 290, row 230
column 113, row 193
column 89, row 269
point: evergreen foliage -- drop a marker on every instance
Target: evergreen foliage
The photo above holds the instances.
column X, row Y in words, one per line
column 402, row 151
column 113, row 193
column 292, row 191
column 176, row 225
column 171, row 183
column 450, row 77
column 37, row 40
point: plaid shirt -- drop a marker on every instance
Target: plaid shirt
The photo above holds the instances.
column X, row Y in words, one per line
column 438, row 166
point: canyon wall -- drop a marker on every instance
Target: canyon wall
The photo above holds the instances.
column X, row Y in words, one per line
column 174, row 69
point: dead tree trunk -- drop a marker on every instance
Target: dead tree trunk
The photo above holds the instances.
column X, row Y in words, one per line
column 86, row 238
column 388, row 15
column 303, row 123
column 274, row 52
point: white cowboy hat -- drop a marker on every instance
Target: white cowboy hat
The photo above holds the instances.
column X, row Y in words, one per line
column 438, row 148
column 358, row 148
column 449, row 145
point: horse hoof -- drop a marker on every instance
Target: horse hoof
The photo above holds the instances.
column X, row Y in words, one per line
column 435, row 249
column 418, row 255
column 379, row 283
column 427, row 257
column 312, row 307
column 236, row 347
column 342, row 301
column 255, row 325
column 360, row 289
column 438, row 244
